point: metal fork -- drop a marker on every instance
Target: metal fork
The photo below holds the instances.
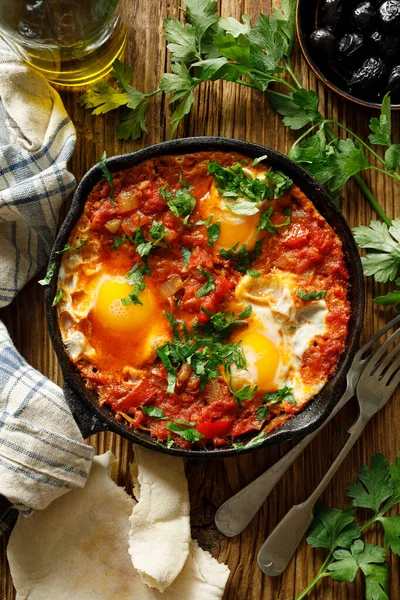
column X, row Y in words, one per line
column 235, row 514
column 376, row 385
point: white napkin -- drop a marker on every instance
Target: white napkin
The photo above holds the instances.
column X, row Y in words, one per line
column 42, row 454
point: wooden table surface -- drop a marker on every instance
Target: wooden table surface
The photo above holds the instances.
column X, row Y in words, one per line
column 223, row 109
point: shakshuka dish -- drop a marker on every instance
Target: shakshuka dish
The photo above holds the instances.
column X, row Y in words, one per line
column 202, row 297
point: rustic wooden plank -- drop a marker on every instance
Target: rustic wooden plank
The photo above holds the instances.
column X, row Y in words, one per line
column 229, row 111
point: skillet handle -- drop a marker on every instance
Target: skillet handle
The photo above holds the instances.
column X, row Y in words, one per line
column 85, row 417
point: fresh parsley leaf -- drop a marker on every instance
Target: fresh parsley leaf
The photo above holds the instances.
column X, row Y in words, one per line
column 369, row 559
column 298, row 109
column 262, row 412
column 186, row 252
column 283, row 394
column 107, row 176
column 391, row 527
column 157, row 231
column 132, row 122
column 390, row 299
column 209, row 286
column 392, row 157
column 332, row 528
column 252, row 443
column 253, row 273
column 68, row 248
column 265, row 223
column 242, row 259
column 135, row 277
column 234, row 27
column 190, row 434
column 182, row 42
column 153, row 411
column 382, row 128
column 347, row 160
column 246, row 312
column 182, row 204
column 58, row 298
column 119, row 241
column 374, row 485
column 384, row 262
column 213, row 233
column 49, row 275
column 245, row 393
column 281, row 182
column 311, row 295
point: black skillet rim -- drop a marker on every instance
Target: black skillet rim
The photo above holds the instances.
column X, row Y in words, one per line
column 319, row 408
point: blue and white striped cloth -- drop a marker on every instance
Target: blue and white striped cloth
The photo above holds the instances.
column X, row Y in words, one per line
column 42, row 453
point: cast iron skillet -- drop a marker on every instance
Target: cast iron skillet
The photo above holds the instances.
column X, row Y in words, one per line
column 93, row 418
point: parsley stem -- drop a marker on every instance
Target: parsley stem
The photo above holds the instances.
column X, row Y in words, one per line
column 393, row 175
column 288, row 67
column 363, row 186
column 321, row 573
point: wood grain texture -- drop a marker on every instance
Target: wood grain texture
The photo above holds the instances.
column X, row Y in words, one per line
column 231, row 111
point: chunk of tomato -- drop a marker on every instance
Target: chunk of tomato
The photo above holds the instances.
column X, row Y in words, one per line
column 214, row 428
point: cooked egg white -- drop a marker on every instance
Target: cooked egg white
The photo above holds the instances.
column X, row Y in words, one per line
column 280, row 331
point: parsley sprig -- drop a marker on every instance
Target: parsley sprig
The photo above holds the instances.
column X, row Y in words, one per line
column 207, row 47
column 377, row 489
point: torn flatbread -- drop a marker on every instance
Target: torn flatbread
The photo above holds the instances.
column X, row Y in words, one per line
column 160, row 534
column 78, row 548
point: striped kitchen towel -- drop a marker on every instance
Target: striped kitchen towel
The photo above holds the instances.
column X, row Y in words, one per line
column 42, row 453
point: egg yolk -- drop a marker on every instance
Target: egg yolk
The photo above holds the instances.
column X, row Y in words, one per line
column 236, row 229
column 262, row 358
column 114, row 315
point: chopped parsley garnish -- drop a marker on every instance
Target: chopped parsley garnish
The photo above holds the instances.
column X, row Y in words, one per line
column 221, row 321
column 182, row 204
column 242, row 259
column 245, row 393
column 253, row 443
column 203, row 349
column 257, row 161
column 165, row 193
column 135, row 277
column 246, row 192
column 311, row 295
column 107, row 176
column 49, row 275
column 283, row 394
column 265, row 220
column 119, row 241
column 253, row 273
column 213, row 232
column 186, row 252
column 68, row 248
column 209, row 286
column 153, row 411
column 190, row 434
column 246, row 312
column 58, row 298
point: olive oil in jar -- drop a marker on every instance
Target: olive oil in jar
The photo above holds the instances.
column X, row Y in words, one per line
column 71, row 42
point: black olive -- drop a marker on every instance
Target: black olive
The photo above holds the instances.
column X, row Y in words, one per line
column 330, row 13
column 389, row 13
column 364, row 15
column 325, row 42
column 394, row 84
column 368, row 78
column 351, row 50
column 387, row 46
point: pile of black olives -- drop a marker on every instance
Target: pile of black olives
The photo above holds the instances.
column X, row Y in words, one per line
column 360, row 41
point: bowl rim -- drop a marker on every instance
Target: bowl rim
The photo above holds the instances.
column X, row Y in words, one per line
column 302, row 38
column 99, row 418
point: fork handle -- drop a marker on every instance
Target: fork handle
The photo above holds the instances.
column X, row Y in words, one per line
column 281, row 544
column 235, row 514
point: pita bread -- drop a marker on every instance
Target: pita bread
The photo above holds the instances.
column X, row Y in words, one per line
column 78, row 548
column 160, row 534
